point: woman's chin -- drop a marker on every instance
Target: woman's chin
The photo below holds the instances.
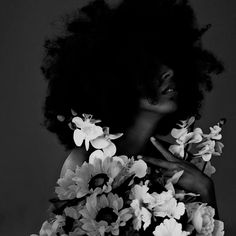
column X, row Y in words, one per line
column 162, row 107
column 166, row 108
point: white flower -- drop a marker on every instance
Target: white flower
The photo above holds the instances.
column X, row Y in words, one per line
column 207, row 149
column 177, row 149
column 71, row 212
column 164, row 204
column 52, row 228
column 96, row 177
column 104, row 142
column 47, row 230
column 104, row 214
column 201, row 217
column 66, row 189
column 141, row 215
column 191, row 137
column 139, row 168
column 170, row 228
column 140, row 193
column 140, row 196
column 218, row 228
column 98, row 154
column 211, row 146
column 86, row 130
column 183, row 138
column 214, row 133
column 183, row 127
column 74, row 211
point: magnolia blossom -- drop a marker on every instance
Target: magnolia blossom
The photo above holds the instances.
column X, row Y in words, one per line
column 201, row 217
column 104, row 214
column 170, row 227
column 140, row 196
column 164, row 204
column 86, row 130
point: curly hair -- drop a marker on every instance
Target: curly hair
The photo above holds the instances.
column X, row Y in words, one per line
column 108, row 58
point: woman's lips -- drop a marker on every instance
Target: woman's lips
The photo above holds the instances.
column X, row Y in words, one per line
column 169, row 90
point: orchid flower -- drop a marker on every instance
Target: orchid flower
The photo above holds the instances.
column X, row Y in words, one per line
column 183, row 137
column 86, row 130
column 104, row 142
column 211, row 146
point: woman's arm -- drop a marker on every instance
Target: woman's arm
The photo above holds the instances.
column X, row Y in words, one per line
column 192, row 180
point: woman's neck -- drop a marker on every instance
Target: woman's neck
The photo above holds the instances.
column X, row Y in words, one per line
column 137, row 136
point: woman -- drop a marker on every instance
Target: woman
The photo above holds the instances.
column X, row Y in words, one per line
column 139, row 67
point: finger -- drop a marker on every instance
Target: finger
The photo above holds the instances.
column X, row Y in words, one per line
column 160, row 163
column 163, row 151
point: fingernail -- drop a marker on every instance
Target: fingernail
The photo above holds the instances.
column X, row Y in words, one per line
column 139, row 157
column 152, row 139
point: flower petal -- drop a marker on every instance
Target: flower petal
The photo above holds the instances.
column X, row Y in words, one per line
column 177, row 150
column 78, row 122
column 115, row 136
column 96, row 154
column 218, row 228
column 100, row 142
column 206, row 157
column 110, row 150
column 177, row 133
column 139, row 168
column 78, row 137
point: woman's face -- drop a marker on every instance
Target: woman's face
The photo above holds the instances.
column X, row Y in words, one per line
column 165, row 91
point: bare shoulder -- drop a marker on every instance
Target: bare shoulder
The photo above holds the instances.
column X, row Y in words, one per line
column 76, row 158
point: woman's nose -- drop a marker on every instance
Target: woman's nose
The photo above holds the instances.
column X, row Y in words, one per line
column 168, row 74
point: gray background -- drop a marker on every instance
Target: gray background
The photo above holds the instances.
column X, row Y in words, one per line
column 31, row 157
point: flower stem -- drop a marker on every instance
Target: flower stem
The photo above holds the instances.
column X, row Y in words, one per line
column 204, row 167
column 188, row 146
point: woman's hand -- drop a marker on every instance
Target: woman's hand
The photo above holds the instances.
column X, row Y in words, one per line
column 192, row 180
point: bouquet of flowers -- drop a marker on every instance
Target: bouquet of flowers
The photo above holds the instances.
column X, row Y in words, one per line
column 116, row 195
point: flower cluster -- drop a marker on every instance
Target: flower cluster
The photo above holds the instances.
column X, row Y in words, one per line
column 115, row 195
column 195, row 146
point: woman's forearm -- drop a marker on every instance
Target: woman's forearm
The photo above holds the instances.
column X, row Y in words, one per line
column 208, row 196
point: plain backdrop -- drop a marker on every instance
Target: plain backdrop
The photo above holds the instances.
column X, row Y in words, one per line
column 31, row 158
